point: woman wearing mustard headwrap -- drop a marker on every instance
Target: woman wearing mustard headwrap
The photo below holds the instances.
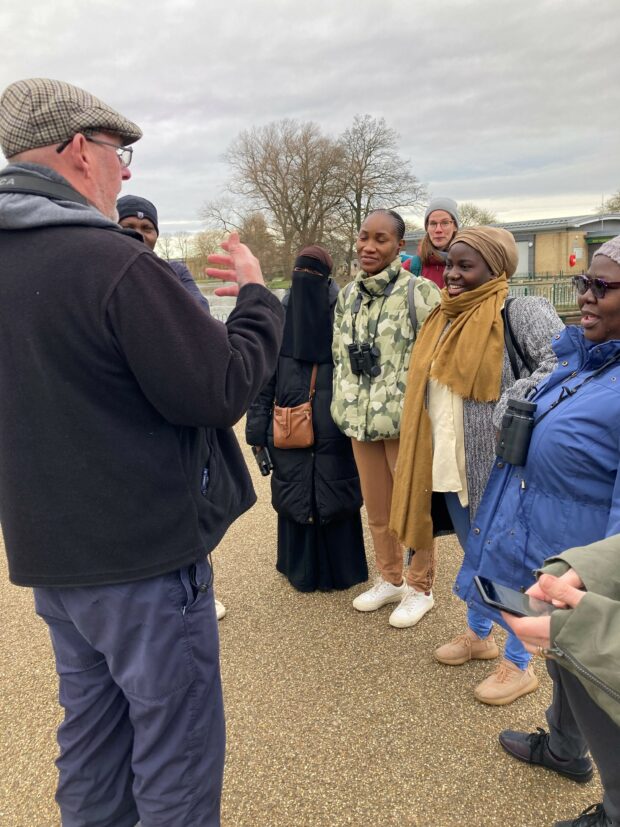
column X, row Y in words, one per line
column 460, row 375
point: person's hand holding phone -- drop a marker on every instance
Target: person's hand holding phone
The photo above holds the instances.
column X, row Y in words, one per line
column 570, row 577
column 562, row 592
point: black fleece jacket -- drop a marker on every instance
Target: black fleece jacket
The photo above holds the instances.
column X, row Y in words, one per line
column 117, row 392
column 320, row 482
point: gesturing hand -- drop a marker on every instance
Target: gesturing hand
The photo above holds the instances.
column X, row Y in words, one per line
column 239, row 265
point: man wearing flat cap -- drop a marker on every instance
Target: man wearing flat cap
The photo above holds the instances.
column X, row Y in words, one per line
column 118, row 472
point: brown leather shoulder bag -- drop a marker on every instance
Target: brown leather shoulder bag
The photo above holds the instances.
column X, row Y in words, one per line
column 292, row 427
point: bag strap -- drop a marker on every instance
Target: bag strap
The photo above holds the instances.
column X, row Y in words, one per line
column 315, row 368
column 512, row 344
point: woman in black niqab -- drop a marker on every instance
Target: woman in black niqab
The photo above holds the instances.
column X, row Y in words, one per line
column 315, row 491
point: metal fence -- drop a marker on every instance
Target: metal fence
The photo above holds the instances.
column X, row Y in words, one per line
column 559, row 291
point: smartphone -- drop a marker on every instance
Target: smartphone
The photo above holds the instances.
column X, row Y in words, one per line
column 511, row 601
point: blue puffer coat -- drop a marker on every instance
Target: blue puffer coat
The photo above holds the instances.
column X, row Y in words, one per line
column 568, row 492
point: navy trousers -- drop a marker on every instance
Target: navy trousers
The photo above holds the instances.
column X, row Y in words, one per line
column 143, row 733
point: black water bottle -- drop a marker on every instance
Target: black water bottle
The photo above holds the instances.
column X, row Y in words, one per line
column 516, row 432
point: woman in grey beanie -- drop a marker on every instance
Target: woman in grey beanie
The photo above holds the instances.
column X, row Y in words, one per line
column 441, row 222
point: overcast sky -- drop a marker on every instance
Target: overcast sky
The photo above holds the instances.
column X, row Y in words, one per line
column 512, row 105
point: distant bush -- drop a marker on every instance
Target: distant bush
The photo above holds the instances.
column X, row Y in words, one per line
column 279, row 284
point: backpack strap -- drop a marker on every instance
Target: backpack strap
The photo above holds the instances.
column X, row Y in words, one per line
column 410, row 301
column 512, row 345
column 411, row 304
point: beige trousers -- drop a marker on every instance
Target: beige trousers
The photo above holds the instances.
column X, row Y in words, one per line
column 376, row 463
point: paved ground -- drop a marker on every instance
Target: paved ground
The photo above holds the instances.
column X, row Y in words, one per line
column 334, row 718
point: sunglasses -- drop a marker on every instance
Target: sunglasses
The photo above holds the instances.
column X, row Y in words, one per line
column 598, row 286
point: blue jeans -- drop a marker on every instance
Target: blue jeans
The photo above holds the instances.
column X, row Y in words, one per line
column 479, row 624
column 143, row 733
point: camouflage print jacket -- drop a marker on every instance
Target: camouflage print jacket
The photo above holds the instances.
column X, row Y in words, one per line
column 368, row 408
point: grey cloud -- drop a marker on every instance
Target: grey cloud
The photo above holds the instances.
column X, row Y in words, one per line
column 501, row 101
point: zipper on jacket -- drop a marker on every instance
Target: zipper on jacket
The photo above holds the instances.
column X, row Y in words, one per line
column 560, row 653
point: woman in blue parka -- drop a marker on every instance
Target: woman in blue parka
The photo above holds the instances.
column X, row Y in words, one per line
column 566, row 494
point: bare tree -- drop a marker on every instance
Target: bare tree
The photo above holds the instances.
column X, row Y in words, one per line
column 174, row 245
column 471, row 215
column 290, row 172
column 612, row 204
column 201, row 246
column 311, row 188
column 411, row 226
column 184, row 245
column 255, row 232
column 165, row 247
column 373, row 174
column 223, row 214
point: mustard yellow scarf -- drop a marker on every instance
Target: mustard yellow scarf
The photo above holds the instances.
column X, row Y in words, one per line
column 468, row 359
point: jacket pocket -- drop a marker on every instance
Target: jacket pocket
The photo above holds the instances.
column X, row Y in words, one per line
column 337, row 499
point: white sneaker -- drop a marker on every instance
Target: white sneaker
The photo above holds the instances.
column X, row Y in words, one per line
column 220, row 609
column 411, row 608
column 380, row 594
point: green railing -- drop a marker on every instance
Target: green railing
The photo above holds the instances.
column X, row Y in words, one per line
column 560, row 291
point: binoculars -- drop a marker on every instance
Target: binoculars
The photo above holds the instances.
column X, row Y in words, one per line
column 263, row 460
column 364, row 358
column 514, row 437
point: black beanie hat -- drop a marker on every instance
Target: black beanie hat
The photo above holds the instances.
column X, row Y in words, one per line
column 130, row 205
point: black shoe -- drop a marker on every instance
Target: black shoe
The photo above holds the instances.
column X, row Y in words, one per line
column 533, row 748
column 594, row 816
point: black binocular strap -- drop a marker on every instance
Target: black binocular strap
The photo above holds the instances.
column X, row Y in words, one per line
column 23, row 182
column 566, row 392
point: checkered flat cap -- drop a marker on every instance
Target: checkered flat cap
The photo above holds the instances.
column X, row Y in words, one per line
column 40, row 111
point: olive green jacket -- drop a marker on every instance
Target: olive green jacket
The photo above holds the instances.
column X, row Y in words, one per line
column 368, row 408
column 586, row 640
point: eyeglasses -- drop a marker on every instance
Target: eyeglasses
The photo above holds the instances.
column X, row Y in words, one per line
column 123, row 153
column 432, row 225
column 598, row 286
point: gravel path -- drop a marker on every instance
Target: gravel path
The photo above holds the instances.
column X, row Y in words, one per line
column 334, row 718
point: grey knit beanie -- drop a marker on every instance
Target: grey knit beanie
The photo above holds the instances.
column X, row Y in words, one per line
column 447, row 204
column 611, row 249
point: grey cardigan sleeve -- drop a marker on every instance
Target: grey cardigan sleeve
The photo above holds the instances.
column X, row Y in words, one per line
column 534, row 323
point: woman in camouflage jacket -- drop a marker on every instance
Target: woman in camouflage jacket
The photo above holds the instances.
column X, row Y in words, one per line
column 373, row 339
